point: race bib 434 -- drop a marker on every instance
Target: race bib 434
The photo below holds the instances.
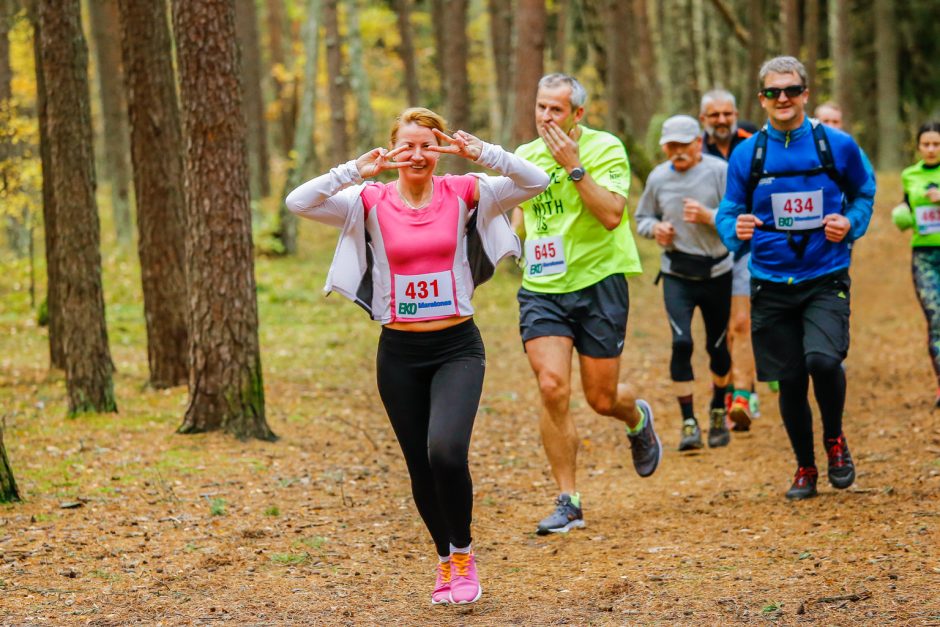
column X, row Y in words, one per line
column 797, row 211
column 545, row 256
column 419, row 296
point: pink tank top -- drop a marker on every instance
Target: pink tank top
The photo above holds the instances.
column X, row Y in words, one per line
column 420, row 269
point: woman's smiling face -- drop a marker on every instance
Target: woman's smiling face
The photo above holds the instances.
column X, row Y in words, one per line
column 416, row 139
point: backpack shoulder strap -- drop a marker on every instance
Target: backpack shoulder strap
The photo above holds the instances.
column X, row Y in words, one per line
column 757, row 167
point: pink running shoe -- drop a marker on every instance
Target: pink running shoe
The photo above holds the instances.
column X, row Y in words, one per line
column 441, row 592
column 464, row 585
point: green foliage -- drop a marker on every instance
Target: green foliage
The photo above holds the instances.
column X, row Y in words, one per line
column 273, row 511
column 217, row 507
column 289, row 559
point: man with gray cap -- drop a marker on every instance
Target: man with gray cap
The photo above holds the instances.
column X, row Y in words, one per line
column 677, row 209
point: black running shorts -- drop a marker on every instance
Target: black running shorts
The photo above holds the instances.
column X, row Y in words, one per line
column 595, row 317
column 790, row 321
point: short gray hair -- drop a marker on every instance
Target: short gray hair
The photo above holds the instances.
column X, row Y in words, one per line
column 717, row 95
column 578, row 94
column 782, row 65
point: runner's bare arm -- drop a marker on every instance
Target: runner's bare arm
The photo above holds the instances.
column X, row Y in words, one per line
column 607, row 206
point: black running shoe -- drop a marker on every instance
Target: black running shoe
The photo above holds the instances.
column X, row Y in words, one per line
column 841, row 466
column 718, row 433
column 691, row 439
column 645, row 447
column 804, row 483
column 565, row 517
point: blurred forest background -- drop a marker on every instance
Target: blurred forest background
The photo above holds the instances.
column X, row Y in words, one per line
column 181, row 125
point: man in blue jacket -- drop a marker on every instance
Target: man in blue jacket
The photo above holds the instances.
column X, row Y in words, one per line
column 798, row 194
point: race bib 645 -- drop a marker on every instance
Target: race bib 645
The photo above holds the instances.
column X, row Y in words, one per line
column 545, row 256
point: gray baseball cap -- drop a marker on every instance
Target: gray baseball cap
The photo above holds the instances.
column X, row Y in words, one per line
column 680, row 128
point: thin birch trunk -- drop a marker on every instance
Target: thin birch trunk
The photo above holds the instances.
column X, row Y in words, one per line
column 359, row 80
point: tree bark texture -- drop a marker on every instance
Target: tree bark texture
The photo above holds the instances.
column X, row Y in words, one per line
column 529, row 67
column 889, row 124
column 106, row 31
column 437, row 26
column 277, row 49
column 755, row 56
column 840, row 50
column 456, row 45
column 790, row 27
column 49, row 213
column 501, row 21
column 246, row 24
column 699, row 50
column 359, row 81
column 157, row 157
column 88, row 366
column 8, row 490
column 406, row 50
column 15, row 226
column 303, row 150
column 225, row 382
column 339, row 135
column 811, row 41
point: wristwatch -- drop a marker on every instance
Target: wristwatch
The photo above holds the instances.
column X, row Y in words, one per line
column 577, row 174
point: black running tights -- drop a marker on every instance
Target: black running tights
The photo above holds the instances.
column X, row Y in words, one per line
column 430, row 384
column 829, row 388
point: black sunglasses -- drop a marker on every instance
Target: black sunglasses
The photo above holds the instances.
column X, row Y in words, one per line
column 792, row 91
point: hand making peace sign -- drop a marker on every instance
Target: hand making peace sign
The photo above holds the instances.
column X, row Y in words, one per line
column 462, row 144
column 379, row 160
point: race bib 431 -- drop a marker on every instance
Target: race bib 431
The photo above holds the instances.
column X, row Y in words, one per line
column 419, row 296
column 545, row 256
column 797, row 211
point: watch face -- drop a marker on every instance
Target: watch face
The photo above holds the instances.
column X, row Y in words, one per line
column 577, row 174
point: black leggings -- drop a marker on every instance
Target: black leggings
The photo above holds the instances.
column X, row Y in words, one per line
column 829, row 388
column 713, row 297
column 430, row 384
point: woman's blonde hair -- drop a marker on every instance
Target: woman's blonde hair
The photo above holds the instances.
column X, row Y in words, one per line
column 421, row 117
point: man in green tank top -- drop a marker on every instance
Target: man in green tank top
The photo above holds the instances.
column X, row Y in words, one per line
column 578, row 252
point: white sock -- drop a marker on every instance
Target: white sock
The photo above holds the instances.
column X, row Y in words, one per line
column 443, row 559
column 466, row 549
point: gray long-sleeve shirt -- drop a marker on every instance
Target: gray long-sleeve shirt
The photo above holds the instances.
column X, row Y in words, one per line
column 663, row 200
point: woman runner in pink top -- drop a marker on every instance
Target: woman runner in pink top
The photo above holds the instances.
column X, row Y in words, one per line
column 410, row 253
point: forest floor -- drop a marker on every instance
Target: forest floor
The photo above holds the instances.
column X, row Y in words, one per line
column 125, row 522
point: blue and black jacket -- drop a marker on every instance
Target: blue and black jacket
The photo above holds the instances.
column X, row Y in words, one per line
column 792, row 163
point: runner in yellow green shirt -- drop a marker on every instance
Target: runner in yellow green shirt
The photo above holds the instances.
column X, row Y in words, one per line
column 578, row 252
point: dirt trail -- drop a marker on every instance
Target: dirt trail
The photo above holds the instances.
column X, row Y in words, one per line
column 319, row 529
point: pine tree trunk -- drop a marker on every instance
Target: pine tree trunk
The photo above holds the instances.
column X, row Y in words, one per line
column 529, row 67
column 246, row 24
column 889, row 124
column 755, row 57
column 790, row 27
column 644, row 65
column 559, row 44
column 225, row 383
column 303, row 138
column 359, row 81
column 157, row 157
column 17, row 233
column 8, row 490
column 501, row 19
column 277, row 47
column 699, row 50
column 49, row 213
column 437, row 26
column 106, row 29
column 64, row 58
column 339, row 146
column 663, row 75
column 406, row 50
column 456, row 45
column 840, row 49
column 811, row 40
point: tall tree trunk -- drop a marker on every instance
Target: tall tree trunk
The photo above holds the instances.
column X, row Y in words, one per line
column 17, row 233
column 644, row 66
column 663, row 76
column 406, row 50
column 303, row 151
column 277, row 25
column 157, row 157
column 106, row 29
column 529, row 67
column 339, row 146
column 8, row 490
column 840, row 49
column 501, row 19
column 359, row 81
column 889, row 124
column 560, row 19
column 755, row 57
column 225, row 383
column 699, row 50
column 811, row 40
column 49, row 213
column 246, row 24
column 457, row 110
column 64, row 57
column 437, row 26
column 790, row 27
